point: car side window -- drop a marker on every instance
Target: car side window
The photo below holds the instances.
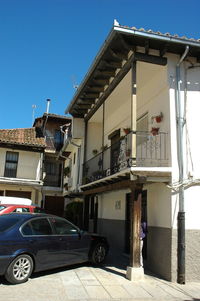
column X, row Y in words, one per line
column 62, row 227
column 41, row 226
column 27, row 230
column 19, row 209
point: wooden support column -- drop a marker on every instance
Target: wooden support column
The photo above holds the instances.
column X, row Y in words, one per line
column 136, row 197
column 134, row 270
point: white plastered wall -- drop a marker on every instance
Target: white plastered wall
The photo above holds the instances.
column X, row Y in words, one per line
column 28, row 164
column 94, row 138
column 158, row 205
column 112, row 205
column 153, row 93
column 118, row 107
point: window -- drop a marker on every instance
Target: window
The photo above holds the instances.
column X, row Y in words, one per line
column 11, row 164
column 2, row 207
column 58, row 138
column 41, row 227
column 50, row 168
column 63, row 227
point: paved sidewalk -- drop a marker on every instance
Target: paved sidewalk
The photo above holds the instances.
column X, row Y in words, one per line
column 84, row 282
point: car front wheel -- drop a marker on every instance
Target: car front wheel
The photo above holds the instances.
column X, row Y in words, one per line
column 98, row 253
column 20, row 269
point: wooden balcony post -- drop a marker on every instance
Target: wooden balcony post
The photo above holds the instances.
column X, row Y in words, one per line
column 134, row 270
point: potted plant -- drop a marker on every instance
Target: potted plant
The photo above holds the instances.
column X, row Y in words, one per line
column 67, row 171
column 154, row 131
column 127, row 130
column 159, row 118
column 95, row 152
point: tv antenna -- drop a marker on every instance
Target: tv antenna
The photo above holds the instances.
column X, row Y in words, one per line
column 33, row 113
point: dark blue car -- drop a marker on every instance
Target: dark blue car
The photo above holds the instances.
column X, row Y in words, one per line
column 35, row 242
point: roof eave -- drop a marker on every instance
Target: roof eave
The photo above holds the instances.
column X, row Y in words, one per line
column 119, row 29
column 92, row 68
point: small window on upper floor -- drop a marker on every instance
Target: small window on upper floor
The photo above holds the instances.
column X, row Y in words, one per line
column 50, row 168
column 58, row 138
column 11, row 164
column 74, row 161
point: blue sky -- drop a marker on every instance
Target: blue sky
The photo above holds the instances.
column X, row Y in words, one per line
column 47, row 46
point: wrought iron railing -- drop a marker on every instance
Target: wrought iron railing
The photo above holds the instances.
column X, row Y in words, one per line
column 141, row 149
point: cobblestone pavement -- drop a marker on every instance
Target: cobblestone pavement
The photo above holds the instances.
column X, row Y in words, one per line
column 84, row 282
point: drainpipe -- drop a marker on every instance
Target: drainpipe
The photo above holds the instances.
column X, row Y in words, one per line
column 181, row 213
column 78, row 162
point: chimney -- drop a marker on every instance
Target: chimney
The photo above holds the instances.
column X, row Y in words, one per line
column 48, row 104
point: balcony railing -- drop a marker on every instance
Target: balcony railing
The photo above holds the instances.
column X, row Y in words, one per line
column 140, row 149
column 52, row 144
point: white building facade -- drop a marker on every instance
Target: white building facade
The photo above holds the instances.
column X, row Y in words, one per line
column 139, row 106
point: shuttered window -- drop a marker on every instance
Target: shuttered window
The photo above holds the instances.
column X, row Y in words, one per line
column 11, row 164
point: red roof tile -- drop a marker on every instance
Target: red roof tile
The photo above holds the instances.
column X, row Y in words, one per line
column 25, row 136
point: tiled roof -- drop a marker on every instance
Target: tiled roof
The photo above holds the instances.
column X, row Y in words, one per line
column 167, row 34
column 26, row 137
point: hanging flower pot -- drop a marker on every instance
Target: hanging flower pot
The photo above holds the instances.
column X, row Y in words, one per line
column 127, row 130
column 159, row 118
column 154, row 131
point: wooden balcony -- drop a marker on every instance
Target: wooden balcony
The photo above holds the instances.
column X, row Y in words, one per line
column 137, row 150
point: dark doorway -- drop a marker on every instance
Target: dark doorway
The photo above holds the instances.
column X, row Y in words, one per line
column 93, row 214
column 128, row 221
column 115, row 150
column 54, row 205
column 86, row 213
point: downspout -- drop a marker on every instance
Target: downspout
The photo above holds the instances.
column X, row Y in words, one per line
column 78, row 163
column 181, row 213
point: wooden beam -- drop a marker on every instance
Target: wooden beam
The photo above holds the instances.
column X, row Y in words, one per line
column 153, row 59
column 136, row 198
column 164, row 50
column 125, row 44
column 109, row 187
column 113, row 64
column 107, row 73
column 118, row 55
column 96, row 88
column 134, row 57
column 101, row 81
column 112, row 86
column 84, row 106
column 147, row 47
column 87, row 101
column 91, row 95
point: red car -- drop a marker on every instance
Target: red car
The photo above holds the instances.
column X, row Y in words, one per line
column 9, row 208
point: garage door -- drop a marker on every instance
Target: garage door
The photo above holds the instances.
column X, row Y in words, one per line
column 18, row 194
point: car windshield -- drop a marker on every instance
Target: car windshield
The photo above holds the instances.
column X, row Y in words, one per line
column 8, row 221
column 2, row 207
